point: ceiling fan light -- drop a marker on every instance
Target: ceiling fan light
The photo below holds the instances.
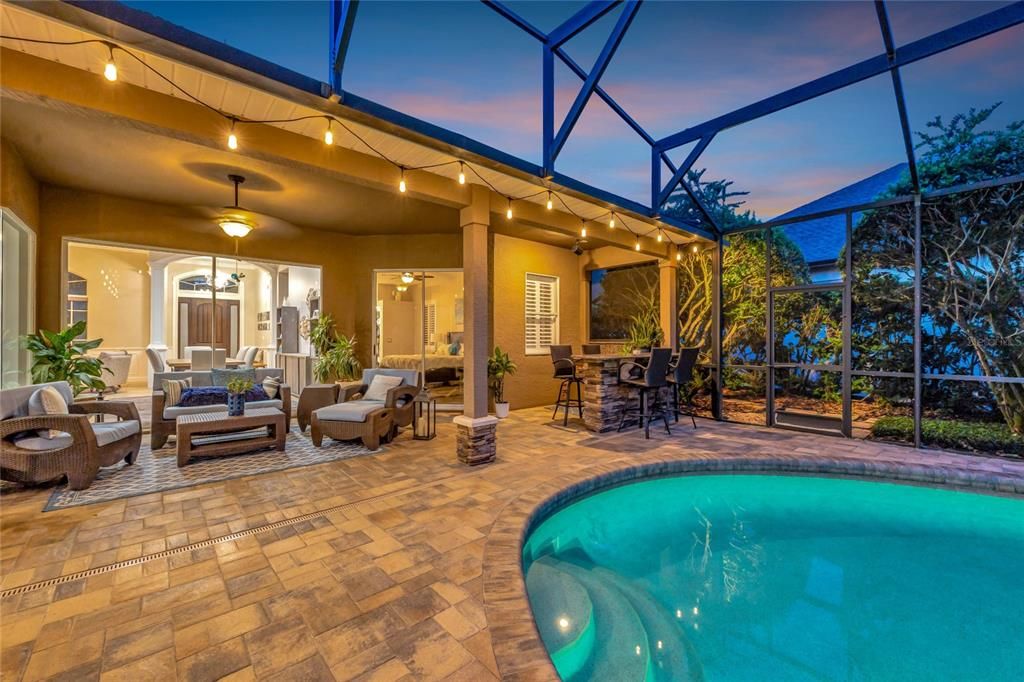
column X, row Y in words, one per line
column 235, row 226
column 407, row 278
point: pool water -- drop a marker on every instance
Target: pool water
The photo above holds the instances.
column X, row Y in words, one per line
column 760, row 577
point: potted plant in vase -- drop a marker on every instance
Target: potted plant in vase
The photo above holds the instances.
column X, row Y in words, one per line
column 60, row 356
column 237, row 388
column 499, row 366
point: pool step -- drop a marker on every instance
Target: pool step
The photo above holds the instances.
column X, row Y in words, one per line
column 619, row 634
column 673, row 656
column 564, row 614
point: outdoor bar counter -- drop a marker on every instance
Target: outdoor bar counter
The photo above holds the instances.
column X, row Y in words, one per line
column 603, row 397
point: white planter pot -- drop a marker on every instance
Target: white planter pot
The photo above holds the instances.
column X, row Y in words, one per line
column 501, row 410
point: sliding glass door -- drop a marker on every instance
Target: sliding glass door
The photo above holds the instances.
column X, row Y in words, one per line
column 419, row 325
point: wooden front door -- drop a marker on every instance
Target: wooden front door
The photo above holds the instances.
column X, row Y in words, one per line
column 208, row 325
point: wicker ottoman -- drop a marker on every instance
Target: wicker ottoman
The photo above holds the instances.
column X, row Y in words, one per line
column 313, row 397
column 348, row 421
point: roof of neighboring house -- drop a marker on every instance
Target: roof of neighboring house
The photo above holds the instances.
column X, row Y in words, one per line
column 822, row 239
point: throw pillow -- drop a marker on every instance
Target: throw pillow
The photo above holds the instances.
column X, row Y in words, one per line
column 272, row 385
column 380, row 386
column 173, row 389
column 221, row 377
column 49, row 401
column 453, row 349
column 255, row 394
column 201, row 396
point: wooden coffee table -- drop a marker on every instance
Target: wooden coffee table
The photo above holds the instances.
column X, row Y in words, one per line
column 191, row 426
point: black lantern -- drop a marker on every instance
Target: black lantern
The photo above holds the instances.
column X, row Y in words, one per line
column 424, row 423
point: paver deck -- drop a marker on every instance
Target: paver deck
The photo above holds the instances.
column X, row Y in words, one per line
column 367, row 568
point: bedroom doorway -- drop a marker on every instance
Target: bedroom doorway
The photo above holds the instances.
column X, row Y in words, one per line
column 418, row 324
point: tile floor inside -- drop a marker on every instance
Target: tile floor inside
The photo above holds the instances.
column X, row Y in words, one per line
column 368, row 568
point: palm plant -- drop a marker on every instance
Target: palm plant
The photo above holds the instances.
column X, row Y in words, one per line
column 336, row 353
column 644, row 330
column 61, row 356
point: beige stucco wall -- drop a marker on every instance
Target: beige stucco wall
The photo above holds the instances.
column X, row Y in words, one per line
column 513, row 258
column 19, row 190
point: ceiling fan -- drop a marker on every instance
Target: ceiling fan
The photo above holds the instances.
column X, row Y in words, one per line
column 410, row 277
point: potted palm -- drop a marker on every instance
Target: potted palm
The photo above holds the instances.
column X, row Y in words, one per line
column 237, row 388
column 499, row 366
column 61, row 356
column 335, row 353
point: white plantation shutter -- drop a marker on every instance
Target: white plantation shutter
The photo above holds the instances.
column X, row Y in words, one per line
column 541, row 313
column 429, row 322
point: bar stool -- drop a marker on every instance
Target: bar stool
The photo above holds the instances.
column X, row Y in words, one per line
column 591, row 349
column 679, row 376
column 565, row 371
column 653, row 378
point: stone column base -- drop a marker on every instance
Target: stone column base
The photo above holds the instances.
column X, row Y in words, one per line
column 475, row 440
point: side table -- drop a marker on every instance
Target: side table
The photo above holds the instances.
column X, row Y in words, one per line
column 313, row 397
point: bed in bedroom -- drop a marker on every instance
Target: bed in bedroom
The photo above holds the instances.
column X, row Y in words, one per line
column 438, row 368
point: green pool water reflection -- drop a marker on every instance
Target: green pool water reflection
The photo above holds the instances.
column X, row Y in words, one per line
column 760, row 577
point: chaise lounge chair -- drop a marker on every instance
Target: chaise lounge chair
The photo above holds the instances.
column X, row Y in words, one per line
column 367, row 413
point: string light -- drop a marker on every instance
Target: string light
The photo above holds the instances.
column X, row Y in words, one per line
column 110, row 70
column 583, row 228
column 695, row 248
column 679, row 254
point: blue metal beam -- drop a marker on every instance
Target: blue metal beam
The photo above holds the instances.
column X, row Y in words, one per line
column 579, row 21
column 897, row 88
column 343, row 18
column 502, row 9
column 979, row 27
column 603, row 59
column 680, row 172
column 547, row 106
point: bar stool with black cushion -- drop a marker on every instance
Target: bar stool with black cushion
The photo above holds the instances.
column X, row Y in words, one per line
column 591, row 349
column 679, row 377
column 653, row 380
column 565, row 371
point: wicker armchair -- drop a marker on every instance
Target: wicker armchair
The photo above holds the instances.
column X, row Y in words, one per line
column 81, row 449
column 372, row 421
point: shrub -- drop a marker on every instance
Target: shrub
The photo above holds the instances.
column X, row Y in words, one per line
column 957, row 435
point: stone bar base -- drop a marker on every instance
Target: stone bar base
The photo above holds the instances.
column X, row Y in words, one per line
column 476, row 439
column 603, row 397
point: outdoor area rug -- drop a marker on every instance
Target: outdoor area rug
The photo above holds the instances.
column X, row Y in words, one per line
column 156, row 471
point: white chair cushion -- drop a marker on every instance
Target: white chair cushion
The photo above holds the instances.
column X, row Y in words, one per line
column 354, row 411
column 110, row 432
column 61, row 440
column 47, row 401
column 175, row 412
column 263, row 403
column 380, row 385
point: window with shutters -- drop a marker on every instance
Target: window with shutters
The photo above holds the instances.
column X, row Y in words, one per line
column 541, row 313
column 430, row 323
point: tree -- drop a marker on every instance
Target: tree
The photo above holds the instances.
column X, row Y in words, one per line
column 972, row 253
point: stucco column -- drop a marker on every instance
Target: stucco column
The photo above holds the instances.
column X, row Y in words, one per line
column 475, row 442
column 669, row 296
column 157, row 291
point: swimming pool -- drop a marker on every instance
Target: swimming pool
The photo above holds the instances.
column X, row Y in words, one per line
column 773, row 577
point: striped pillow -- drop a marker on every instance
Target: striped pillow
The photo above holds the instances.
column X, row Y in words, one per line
column 172, row 390
column 272, row 385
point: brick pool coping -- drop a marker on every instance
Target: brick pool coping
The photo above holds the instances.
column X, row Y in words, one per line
column 518, row 649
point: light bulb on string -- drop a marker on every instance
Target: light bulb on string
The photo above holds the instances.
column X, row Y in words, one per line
column 110, row 70
column 551, row 204
column 611, row 222
column 329, row 134
column 636, row 246
column 462, row 173
column 401, row 183
column 583, row 228
column 232, row 138
column 695, row 248
column 660, row 237
column 679, row 254
column 508, row 213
